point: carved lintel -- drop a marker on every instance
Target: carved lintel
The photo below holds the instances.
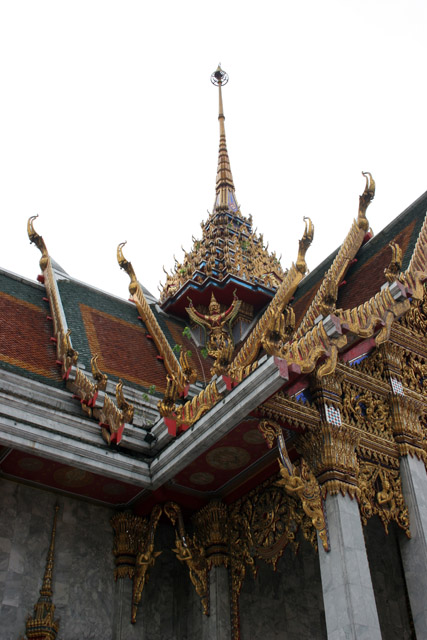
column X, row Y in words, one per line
column 145, row 559
column 187, row 550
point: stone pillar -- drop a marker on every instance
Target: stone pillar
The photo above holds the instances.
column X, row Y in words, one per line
column 414, row 550
column 123, row 629
column 217, row 626
column 408, row 435
column 348, row 595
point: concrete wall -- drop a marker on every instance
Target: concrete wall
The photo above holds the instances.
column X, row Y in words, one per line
column 388, row 580
column 82, row 582
column 286, row 604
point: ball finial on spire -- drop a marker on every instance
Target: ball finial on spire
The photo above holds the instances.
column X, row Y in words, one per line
column 219, row 76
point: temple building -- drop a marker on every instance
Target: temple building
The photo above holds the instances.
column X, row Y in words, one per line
column 243, row 458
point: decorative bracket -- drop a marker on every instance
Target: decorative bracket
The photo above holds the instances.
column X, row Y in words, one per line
column 187, row 550
column 300, row 482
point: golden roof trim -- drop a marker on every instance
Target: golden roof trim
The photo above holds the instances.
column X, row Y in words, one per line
column 172, row 365
column 284, row 293
column 79, row 383
column 325, row 298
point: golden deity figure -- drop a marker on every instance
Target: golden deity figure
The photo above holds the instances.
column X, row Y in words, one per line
column 215, row 323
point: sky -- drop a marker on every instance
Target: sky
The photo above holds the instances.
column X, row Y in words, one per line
column 109, row 130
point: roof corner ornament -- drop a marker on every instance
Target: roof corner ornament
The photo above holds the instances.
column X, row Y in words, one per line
column 394, row 268
column 365, row 200
column 304, row 244
column 36, row 239
column 127, row 266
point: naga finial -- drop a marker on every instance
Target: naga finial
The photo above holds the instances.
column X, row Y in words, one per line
column 38, row 241
column 304, row 244
column 127, row 266
column 365, row 200
column 392, row 271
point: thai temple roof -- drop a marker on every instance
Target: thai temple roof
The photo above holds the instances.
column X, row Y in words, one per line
column 151, row 378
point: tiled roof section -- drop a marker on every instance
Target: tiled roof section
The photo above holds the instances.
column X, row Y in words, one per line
column 25, row 331
column 365, row 278
column 124, row 349
column 103, row 324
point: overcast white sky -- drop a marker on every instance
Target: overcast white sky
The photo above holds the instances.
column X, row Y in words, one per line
column 108, row 124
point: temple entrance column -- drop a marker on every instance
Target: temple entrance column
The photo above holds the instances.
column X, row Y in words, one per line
column 348, row 595
column 217, row 625
column 408, row 435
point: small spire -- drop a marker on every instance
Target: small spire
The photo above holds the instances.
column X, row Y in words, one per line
column 42, row 623
column 46, row 590
column 225, row 192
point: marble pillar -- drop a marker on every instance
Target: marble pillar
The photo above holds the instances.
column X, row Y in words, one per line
column 414, row 550
column 217, row 626
column 349, row 600
column 123, row 629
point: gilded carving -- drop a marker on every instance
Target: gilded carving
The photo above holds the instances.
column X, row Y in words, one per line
column 125, row 407
column 110, row 416
column 414, row 374
column 393, row 270
column 325, row 298
column 298, row 481
column 331, row 453
column 381, row 494
column 211, row 526
column 267, row 324
column 217, row 324
column 145, row 559
column 366, row 410
column 408, row 430
column 128, row 530
column 193, row 554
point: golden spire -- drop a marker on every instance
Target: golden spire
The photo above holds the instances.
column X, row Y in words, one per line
column 42, row 623
column 225, row 193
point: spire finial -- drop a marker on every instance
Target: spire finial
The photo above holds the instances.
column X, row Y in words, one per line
column 225, row 193
column 42, row 622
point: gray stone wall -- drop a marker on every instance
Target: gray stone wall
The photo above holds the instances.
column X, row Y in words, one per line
column 287, row 603
column 388, row 580
column 83, row 584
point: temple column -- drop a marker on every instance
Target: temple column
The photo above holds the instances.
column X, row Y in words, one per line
column 348, row 595
column 217, row 625
column 408, row 435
